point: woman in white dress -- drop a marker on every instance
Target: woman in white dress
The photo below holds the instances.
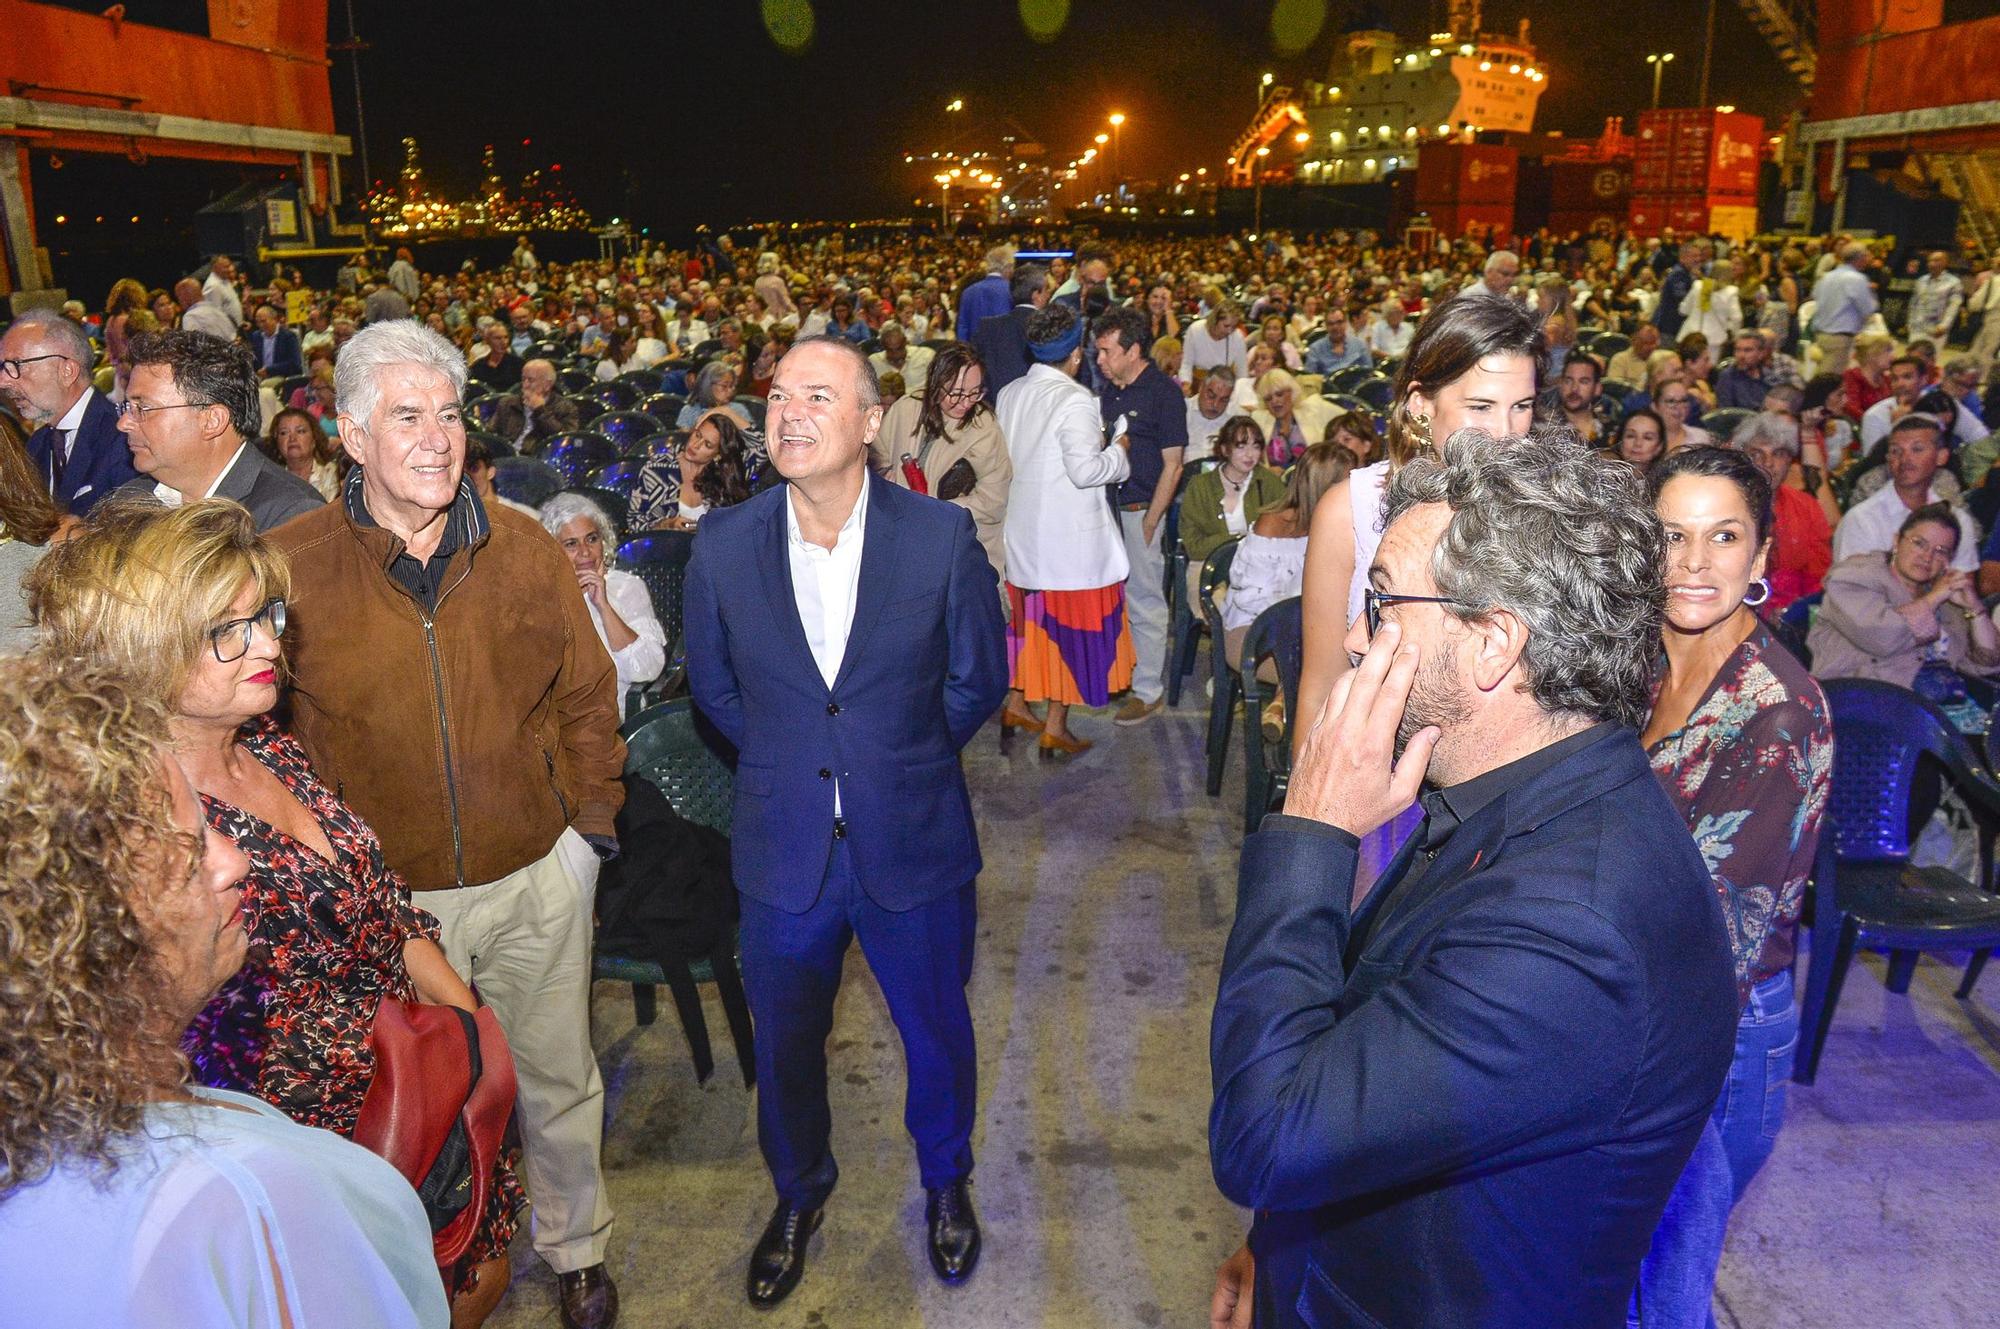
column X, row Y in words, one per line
column 620, row 607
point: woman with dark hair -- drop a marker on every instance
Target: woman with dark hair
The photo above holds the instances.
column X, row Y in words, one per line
column 1740, row 739
column 1224, row 501
column 297, row 443
column 1642, row 438
column 945, row 435
column 28, row 518
column 1475, row 362
column 1161, row 320
column 712, row 469
column 1356, row 432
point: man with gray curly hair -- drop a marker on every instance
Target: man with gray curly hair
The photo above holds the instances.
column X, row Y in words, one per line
column 1463, row 1094
column 446, row 675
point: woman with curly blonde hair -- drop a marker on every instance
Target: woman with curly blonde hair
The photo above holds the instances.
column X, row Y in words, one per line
column 125, row 316
column 128, row 1195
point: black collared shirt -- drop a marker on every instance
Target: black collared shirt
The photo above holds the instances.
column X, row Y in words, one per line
column 424, row 578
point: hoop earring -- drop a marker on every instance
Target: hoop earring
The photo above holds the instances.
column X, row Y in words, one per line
column 1420, row 430
column 1765, row 586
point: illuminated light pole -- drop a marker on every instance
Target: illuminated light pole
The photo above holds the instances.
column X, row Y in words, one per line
column 1263, row 88
column 1659, row 63
column 1117, row 148
column 944, row 191
column 1103, row 162
column 1257, row 222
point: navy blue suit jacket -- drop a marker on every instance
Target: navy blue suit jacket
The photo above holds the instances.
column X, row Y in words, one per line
column 285, row 358
column 926, row 666
column 99, row 460
column 1002, row 342
column 1478, row 1123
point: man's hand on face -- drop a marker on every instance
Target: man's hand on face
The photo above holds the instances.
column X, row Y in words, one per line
column 1347, row 774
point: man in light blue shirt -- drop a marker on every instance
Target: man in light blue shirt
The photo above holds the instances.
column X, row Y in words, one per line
column 1845, row 303
column 1338, row 349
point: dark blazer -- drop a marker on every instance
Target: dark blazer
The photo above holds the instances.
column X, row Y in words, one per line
column 1479, row 1121
column 273, row 494
column 286, row 360
column 557, row 416
column 926, row 666
column 1002, row 342
column 99, row 461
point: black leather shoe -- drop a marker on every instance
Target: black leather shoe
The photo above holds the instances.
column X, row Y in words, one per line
column 954, row 1231
column 779, row 1261
column 589, row 1298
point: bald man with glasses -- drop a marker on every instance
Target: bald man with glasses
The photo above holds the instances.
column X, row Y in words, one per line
column 45, row 364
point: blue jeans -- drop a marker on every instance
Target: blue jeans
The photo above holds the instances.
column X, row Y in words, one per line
column 1677, row 1277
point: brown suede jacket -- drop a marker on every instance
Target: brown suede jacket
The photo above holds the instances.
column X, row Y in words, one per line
column 467, row 740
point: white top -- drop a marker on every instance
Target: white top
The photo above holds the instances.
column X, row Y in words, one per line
column 916, row 368
column 222, row 295
column 1060, row 533
column 642, row 661
column 1870, row 527
column 209, row 319
column 207, row 1203
column 1365, row 489
column 1233, row 519
column 1201, row 430
column 1875, row 422
column 173, row 498
column 72, row 420
column 1265, row 570
column 1720, row 320
column 1386, row 341
column 1200, row 351
column 825, row 583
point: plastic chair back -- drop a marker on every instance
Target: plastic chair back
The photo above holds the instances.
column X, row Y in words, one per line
column 673, row 749
column 660, row 559
column 1377, row 391
column 664, row 407
column 1880, row 733
column 646, row 380
column 496, row 446
column 654, row 447
column 620, row 477
column 1277, row 634
column 528, row 480
column 624, row 428
column 576, row 455
column 1723, row 422
column 1607, row 344
column 574, row 380
column 1350, row 378
column 756, row 406
column 617, row 395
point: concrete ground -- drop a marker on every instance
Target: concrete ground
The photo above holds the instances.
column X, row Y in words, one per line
column 1106, row 901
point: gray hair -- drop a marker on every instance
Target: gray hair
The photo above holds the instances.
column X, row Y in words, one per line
column 1499, row 256
column 566, row 507
column 866, row 389
column 70, row 339
column 1000, row 258
column 711, row 374
column 358, row 369
column 1779, row 431
column 1221, row 374
column 1567, row 543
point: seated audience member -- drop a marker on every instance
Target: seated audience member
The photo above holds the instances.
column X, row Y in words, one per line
column 1356, row 432
column 1908, row 612
column 129, row 1195
column 1208, row 407
column 1577, row 389
column 621, row 355
column 1215, row 340
column 28, row 520
column 192, row 418
column 1739, row 738
column 1420, row 1075
column 947, row 435
column 1743, row 383
column 1271, row 332
column 479, row 474
column 620, row 606
column 45, row 377
column 1290, row 421
column 534, row 415
column 898, row 356
column 1823, row 412
column 1641, row 438
column 274, row 349
column 1224, row 501
column 297, row 443
column 1245, row 399
column 1697, row 358
column 714, row 387
column 1165, row 353
column 1867, row 379
column 1632, row 365
column 1341, row 348
column 1909, row 393
column 1915, row 459
column 1801, row 543
column 710, row 470
column 1675, row 402
column 890, row 384
column 1389, row 336
column 497, row 366
column 1270, row 563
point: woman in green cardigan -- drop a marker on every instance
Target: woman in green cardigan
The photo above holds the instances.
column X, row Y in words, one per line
column 1223, row 501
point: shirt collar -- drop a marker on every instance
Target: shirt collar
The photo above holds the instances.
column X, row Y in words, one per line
column 850, row 530
column 1445, row 810
column 73, row 418
column 467, row 524
column 173, row 498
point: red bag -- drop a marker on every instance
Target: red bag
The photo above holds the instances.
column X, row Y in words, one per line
column 438, row 1110
column 913, row 476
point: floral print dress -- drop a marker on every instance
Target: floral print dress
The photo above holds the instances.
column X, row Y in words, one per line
column 326, row 946
column 1750, row 770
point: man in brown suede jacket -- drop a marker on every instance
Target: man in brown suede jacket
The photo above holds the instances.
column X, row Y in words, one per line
column 447, row 680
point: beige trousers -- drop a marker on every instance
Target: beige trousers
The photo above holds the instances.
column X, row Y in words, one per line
column 1835, row 350
column 524, row 943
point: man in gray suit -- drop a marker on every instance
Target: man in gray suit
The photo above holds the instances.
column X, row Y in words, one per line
column 191, row 418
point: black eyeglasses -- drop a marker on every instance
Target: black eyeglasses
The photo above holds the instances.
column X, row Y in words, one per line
column 12, row 368
column 1372, row 601
column 231, row 641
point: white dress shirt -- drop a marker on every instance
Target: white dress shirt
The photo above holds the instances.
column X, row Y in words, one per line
column 825, row 584
column 173, row 498
column 1386, row 341
column 1877, row 420
column 640, row 661
column 222, row 295
column 1870, row 527
column 72, row 420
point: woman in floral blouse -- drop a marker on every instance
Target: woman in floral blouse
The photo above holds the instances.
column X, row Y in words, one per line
column 1740, row 739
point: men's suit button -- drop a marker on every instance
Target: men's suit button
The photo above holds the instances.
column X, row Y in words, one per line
column 839, row 829
column 833, row 708
column 825, row 774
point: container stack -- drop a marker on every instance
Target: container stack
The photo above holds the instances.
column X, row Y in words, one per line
column 1467, row 188
column 1695, row 170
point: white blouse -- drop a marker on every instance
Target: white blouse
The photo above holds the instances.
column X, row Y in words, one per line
column 642, row 661
column 1266, row 569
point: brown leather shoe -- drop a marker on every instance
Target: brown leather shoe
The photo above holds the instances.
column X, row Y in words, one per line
column 589, row 1298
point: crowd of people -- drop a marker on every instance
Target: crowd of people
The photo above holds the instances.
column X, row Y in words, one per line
column 289, row 623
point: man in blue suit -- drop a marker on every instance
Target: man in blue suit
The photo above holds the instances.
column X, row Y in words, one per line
column 45, row 363
column 845, row 635
column 273, row 347
column 1463, row 1099
column 1002, row 340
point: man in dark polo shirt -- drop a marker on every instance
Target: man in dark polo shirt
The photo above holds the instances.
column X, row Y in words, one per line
column 1145, row 405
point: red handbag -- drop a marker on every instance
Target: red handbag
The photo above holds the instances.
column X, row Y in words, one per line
column 438, row 1110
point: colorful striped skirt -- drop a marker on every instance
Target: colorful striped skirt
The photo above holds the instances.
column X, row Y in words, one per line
column 1069, row 646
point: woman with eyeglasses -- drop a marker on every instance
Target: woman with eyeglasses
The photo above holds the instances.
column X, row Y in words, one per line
column 187, row 605
column 945, row 433
column 1675, row 403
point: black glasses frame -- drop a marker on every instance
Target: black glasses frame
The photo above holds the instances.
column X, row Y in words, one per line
column 12, row 368
column 1372, row 601
column 272, row 615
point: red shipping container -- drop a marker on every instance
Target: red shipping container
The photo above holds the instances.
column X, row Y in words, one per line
column 1578, row 186
column 1581, row 221
column 1648, row 214
column 1455, row 173
column 1455, row 221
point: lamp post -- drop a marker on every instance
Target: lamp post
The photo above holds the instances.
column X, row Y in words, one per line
column 1659, row 63
column 1117, row 145
column 1104, row 164
column 1257, row 168
column 1263, row 87
column 944, row 208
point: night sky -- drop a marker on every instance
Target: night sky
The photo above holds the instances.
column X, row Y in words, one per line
column 681, row 112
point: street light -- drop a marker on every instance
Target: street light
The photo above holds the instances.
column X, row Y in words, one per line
column 1659, row 63
column 1258, row 223
column 1263, row 86
column 955, row 104
column 1117, row 144
column 944, row 190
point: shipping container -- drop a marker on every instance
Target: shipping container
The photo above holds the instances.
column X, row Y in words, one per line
column 1698, row 152
column 1581, row 221
column 1574, row 186
column 1455, row 221
column 1459, row 173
